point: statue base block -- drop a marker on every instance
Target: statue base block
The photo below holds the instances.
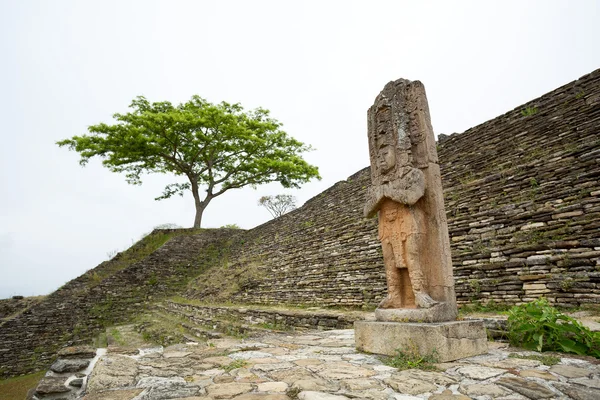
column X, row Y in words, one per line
column 450, row 340
column 441, row 312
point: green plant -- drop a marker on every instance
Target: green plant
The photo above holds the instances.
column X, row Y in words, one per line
column 217, row 147
column 235, row 365
column 539, row 326
column 410, row 357
column 546, row 360
column 529, row 111
column 231, row 226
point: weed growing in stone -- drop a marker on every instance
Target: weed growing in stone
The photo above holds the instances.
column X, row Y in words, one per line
column 410, row 358
column 529, row 111
column 546, row 360
column 539, row 326
column 235, row 365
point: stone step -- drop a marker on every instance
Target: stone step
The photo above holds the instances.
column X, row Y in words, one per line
column 271, row 318
column 207, row 327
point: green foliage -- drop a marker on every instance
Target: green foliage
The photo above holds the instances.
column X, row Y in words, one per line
column 539, row 326
column 546, row 360
column 235, row 365
column 489, row 307
column 219, row 146
column 529, row 111
column 231, row 226
column 410, row 358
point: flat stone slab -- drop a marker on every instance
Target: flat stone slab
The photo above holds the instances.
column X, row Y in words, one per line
column 52, row 384
column 127, row 394
column 69, row 365
column 450, row 340
column 527, row 388
column 77, row 352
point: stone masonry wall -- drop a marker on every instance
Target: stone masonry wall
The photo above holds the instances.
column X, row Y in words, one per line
column 79, row 310
column 522, row 195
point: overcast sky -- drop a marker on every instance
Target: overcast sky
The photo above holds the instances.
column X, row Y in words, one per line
column 317, row 65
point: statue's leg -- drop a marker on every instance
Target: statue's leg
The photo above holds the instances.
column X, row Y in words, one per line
column 392, row 277
column 418, row 280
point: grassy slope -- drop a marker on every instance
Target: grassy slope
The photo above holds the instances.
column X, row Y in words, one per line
column 16, row 388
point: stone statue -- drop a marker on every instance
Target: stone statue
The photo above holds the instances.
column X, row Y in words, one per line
column 406, row 191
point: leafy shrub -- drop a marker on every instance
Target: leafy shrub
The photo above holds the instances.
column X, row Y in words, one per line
column 541, row 327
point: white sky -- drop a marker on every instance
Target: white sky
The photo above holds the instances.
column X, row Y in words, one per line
column 317, row 65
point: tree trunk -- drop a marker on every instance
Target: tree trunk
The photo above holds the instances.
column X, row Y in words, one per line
column 200, row 205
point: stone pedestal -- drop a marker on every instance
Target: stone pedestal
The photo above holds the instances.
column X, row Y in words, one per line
column 450, row 340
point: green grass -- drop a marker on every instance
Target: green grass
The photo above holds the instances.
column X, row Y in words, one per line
column 235, row 365
column 411, row 358
column 136, row 253
column 16, row 388
column 546, row 360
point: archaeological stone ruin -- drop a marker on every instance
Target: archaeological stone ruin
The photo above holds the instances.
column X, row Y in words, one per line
column 522, row 205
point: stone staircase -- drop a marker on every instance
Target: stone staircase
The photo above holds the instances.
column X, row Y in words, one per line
column 205, row 322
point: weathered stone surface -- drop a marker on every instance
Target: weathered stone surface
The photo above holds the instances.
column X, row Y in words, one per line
column 341, row 370
column 112, row 372
column 261, row 396
column 403, row 384
column 315, row 385
column 427, row 376
column 69, row 365
column 320, row 396
column 579, row 392
column 482, row 389
column 570, row 371
column 77, row 352
column 448, row 395
column 412, row 223
column 246, row 355
column 591, row 383
column 273, row 367
column 479, row 373
column 450, row 340
column 527, row 388
column 126, row 394
column 360, row 384
column 278, row 387
column 532, row 373
column 77, row 382
column 52, row 384
column 228, row 390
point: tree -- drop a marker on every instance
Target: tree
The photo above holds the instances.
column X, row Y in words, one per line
column 279, row 204
column 216, row 146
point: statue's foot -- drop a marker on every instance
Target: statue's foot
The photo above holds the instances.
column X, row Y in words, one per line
column 390, row 302
column 423, row 300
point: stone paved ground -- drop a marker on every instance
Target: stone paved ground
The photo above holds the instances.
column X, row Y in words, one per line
column 324, row 365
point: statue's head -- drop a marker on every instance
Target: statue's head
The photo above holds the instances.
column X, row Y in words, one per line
column 386, row 159
column 384, row 140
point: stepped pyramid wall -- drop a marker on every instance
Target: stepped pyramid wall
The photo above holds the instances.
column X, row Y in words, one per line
column 522, row 195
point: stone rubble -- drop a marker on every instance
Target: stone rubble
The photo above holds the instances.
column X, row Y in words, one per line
column 323, row 365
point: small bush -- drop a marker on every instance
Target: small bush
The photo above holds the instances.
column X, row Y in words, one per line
column 541, row 327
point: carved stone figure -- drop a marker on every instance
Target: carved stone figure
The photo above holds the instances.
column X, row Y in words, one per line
column 406, row 191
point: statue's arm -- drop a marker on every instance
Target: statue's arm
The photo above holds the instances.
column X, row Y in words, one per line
column 374, row 198
column 409, row 189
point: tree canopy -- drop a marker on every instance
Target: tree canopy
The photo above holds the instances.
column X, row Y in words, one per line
column 279, row 204
column 217, row 147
